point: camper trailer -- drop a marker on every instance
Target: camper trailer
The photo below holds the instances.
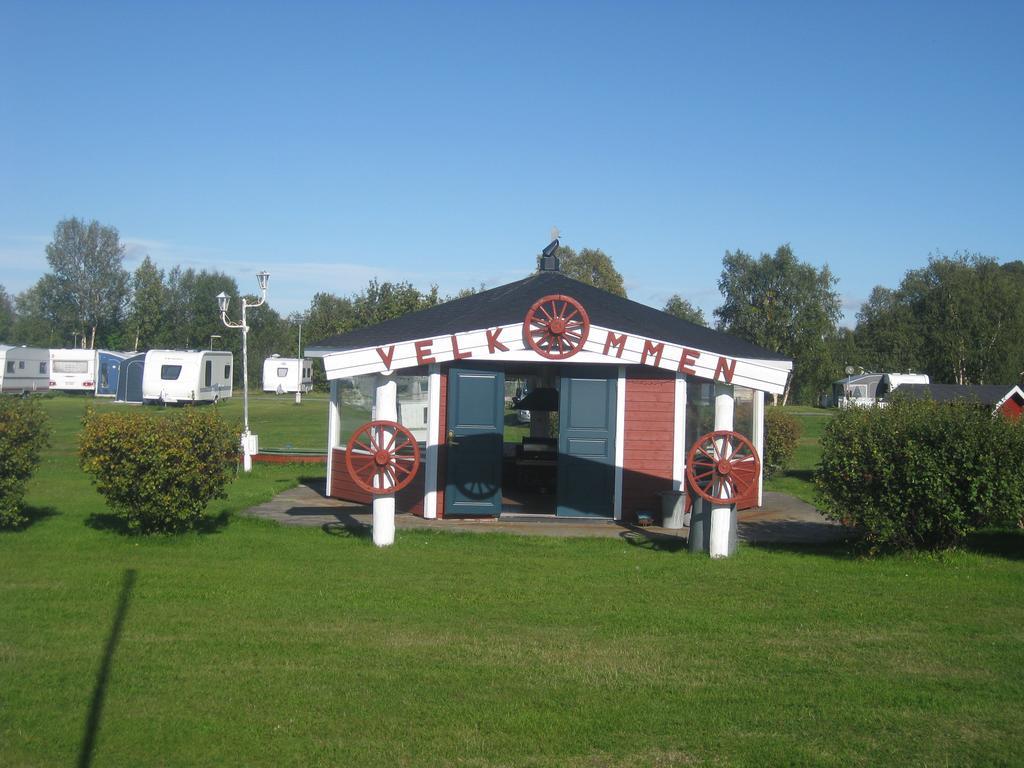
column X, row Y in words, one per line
column 891, row 381
column 287, row 374
column 109, row 371
column 24, row 369
column 129, row 380
column 174, row 376
column 73, row 370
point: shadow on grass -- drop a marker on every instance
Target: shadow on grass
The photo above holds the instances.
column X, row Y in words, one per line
column 32, row 516
column 348, row 527
column 805, row 475
column 652, row 540
column 1007, row 544
column 109, row 522
column 99, row 693
column 836, row 550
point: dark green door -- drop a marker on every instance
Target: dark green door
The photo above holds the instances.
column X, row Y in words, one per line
column 586, row 442
column 476, row 425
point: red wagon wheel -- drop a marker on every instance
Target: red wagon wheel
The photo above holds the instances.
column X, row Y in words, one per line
column 723, row 466
column 382, row 457
column 556, row 326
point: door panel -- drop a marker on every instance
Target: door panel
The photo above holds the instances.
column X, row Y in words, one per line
column 586, row 443
column 476, row 424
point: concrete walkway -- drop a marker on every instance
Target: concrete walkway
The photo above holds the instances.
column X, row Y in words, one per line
column 782, row 520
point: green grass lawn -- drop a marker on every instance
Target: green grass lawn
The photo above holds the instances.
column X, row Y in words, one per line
column 798, row 479
column 254, row 644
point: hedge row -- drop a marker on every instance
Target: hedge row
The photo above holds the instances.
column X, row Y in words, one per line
column 920, row 474
column 24, row 433
column 159, row 471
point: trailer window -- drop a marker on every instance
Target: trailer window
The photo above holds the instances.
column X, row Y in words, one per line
column 170, row 372
column 282, row 373
column 209, row 373
column 227, row 371
column 70, row 366
column 10, row 366
column 42, row 368
column 21, row 365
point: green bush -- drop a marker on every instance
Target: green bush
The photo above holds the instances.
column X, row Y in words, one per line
column 24, row 432
column 781, row 434
column 159, row 471
column 920, row 474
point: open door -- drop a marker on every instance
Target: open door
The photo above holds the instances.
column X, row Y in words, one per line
column 586, row 442
column 476, row 426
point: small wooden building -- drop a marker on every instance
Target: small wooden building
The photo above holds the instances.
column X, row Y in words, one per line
column 1004, row 399
column 631, row 388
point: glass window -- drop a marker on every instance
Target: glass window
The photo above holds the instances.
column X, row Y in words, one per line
column 170, row 372
column 743, row 411
column 10, row 366
column 70, row 366
column 282, row 373
column 42, row 368
column 21, row 365
column 209, row 373
column 700, row 410
column 227, row 371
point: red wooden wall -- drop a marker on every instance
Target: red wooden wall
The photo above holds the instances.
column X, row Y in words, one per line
column 1012, row 408
column 647, row 442
column 409, row 499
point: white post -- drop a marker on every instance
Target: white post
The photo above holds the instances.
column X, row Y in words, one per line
column 721, row 516
column 246, row 442
column 333, row 428
column 433, row 441
column 386, row 409
column 758, row 439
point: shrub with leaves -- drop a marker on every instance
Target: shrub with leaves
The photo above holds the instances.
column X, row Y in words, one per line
column 24, row 432
column 781, row 435
column 158, row 471
column 921, row 475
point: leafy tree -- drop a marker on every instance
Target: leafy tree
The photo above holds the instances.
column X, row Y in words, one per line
column 960, row 319
column 383, row 301
column 591, row 266
column 88, row 287
column 38, row 321
column 684, row 310
column 786, row 306
column 6, row 314
column 146, row 323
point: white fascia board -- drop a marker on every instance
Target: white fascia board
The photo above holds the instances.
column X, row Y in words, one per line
column 603, row 346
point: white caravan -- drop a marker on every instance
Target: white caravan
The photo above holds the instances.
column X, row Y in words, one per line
column 287, row 374
column 174, row 376
column 73, row 370
column 24, row 369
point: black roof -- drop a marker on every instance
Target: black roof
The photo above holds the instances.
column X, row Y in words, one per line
column 983, row 394
column 508, row 304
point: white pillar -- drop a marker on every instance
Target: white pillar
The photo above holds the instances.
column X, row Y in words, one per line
column 721, row 516
column 620, row 439
column 333, row 427
column 758, row 440
column 386, row 409
column 433, row 441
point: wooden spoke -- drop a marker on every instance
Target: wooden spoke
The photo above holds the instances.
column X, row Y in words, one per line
column 722, row 467
column 556, row 327
column 382, row 457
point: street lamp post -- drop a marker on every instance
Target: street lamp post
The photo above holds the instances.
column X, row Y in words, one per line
column 250, row 442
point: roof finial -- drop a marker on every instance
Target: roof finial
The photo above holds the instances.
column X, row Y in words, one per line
column 549, row 258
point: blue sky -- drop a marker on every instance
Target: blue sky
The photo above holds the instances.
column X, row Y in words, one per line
column 439, row 142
